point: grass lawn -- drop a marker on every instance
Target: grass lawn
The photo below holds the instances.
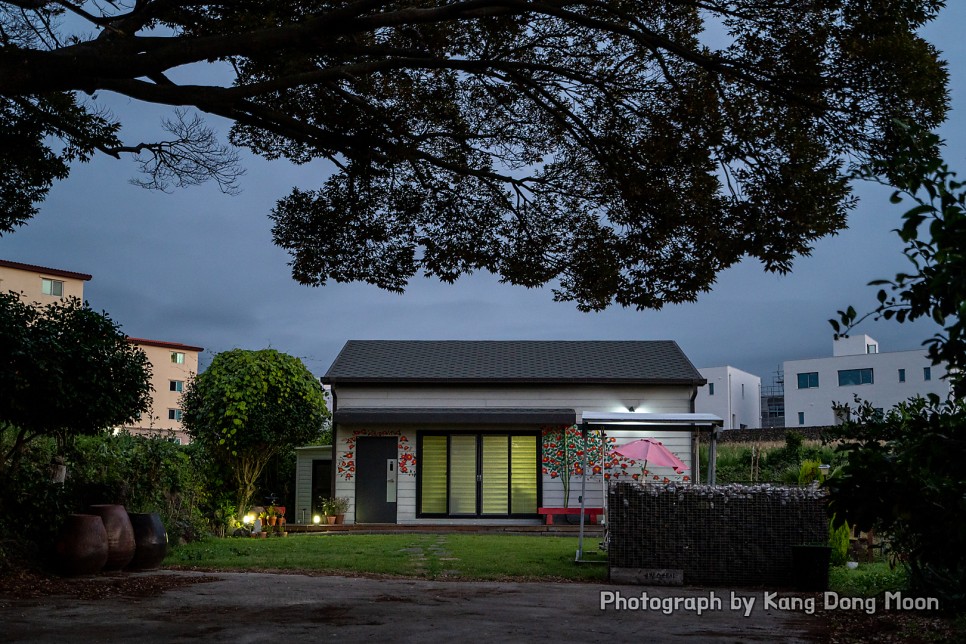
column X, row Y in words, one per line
column 428, row 556
column 868, row 580
column 463, row 556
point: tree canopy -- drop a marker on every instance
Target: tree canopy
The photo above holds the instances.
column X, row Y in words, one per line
column 65, row 370
column 250, row 405
column 621, row 150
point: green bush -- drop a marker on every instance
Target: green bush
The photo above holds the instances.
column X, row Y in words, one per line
column 735, row 461
column 840, row 538
column 905, row 478
column 144, row 474
column 808, row 472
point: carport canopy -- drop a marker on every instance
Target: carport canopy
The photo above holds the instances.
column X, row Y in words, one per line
column 686, row 422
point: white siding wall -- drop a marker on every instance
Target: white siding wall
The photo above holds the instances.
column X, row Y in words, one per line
column 663, row 399
column 736, row 398
column 591, row 398
column 884, row 392
column 303, row 481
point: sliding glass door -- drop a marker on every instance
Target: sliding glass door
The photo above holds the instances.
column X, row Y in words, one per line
column 477, row 474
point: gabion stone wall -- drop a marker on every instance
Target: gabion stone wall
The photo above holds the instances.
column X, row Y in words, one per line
column 717, row 535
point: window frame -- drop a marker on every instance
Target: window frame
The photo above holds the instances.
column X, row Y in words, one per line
column 47, row 287
column 176, row 386
column 479, row 434
column 861, row 372
column 175, row 414
column 808, row 380
column 177, row 357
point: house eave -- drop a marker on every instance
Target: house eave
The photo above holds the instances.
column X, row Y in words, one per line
column 455, row 416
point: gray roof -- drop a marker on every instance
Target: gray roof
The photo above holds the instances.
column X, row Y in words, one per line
column 454, row 416
column 512, row 362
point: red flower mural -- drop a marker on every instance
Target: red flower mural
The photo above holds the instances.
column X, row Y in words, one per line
column 347, row 465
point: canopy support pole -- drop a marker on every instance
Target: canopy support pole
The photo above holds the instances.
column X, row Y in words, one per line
column 713, row 456
column 583, row 490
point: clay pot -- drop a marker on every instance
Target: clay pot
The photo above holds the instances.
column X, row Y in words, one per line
column 82, row 546
column 120, row 535
column 150, row 540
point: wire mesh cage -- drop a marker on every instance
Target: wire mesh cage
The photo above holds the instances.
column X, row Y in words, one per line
column 717, row 535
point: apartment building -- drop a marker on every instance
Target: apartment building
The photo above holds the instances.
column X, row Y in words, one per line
column 40, row 284
column 857, row 368
column 172, row 366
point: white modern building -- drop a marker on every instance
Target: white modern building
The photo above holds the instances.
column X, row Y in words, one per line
column 857, row 368
column 731, row 394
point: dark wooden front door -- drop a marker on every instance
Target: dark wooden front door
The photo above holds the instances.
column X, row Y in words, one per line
column 321, row 486
column 376, row 479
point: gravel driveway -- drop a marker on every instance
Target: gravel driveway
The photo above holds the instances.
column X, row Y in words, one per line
column 261, row 607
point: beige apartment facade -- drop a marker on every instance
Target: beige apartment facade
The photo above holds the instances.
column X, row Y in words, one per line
column 173, row 365
column 40, row 284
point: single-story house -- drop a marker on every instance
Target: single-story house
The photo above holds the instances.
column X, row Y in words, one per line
column 488, row 431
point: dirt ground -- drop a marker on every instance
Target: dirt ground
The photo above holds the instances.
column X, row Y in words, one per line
column 185, row 606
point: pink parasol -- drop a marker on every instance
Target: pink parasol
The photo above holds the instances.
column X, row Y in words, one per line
column 648, row 450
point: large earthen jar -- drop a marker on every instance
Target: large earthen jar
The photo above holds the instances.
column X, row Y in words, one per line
column 120, row 535
column 82, row 548
column 150, row 540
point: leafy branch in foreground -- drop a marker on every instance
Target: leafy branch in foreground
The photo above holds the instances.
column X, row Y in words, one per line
column 905, row 475
column 619, row 150
column 934, row 232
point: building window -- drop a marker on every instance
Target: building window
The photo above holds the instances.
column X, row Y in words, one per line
column 801, row 418
column 177, row 357
column 927, row 373
column 849, row 377
column 902, row 375
column 808, row 380
column 872, row 348
column 742, row 391
column 174, row 414
column 51, row 287
column 177, row 385
column 479, row 475
column 710, row 388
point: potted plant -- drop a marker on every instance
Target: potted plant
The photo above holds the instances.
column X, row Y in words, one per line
column 328, row 510
column 272, row 515
column 340, row 505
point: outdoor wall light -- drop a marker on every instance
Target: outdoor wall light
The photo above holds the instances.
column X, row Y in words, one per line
column 630, row 408
column 316, row 519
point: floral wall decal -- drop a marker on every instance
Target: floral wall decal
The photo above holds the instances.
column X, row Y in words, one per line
column 346, row 467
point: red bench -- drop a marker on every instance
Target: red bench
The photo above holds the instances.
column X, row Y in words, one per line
column 593, row 513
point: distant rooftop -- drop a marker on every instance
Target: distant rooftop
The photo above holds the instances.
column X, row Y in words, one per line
column 164, row 345
column 55, row 272
column 518, row 361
